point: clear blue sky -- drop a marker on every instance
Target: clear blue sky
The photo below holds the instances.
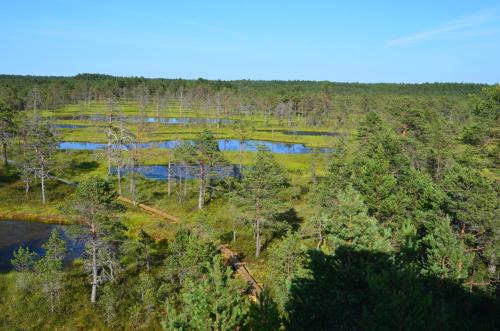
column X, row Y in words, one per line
column 364, row 41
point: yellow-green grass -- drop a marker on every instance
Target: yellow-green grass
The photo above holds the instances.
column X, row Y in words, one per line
column 215, row 219
column 161, row 131
column 15, row 204
column 154, row 132
column 133, row 109
column 94, row 162
column 95, row 132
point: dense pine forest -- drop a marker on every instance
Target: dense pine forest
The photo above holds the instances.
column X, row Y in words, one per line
column 344, row 206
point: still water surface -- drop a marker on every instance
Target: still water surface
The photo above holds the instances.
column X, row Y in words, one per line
column 136, row 119
column 224, row 145
column 160, row 172
column 14, row 234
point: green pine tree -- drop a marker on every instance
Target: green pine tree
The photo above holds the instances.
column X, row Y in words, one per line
column 207, row 156
column 376, row 181
column 93, row 208
column 351, row 226
column 264, row 314
column 213, row 302
column 446, row 256
column 259, row 193
column 286, row 260
column 23, row 262
column 50, row 268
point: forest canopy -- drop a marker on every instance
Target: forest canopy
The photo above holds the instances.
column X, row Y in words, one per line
column 388, row 218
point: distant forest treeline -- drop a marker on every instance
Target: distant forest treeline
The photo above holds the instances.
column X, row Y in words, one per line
column 233, row 97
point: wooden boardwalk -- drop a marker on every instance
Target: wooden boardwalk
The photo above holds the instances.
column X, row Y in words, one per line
column 151, row 210
column 229, row 256
column 239, row 267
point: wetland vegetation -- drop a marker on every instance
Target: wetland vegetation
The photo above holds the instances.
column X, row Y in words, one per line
column 354, row 206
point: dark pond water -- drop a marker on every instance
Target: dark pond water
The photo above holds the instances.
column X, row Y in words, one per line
column 303, row 133
column 14, row 234
column 224, row 145
column 160, row 172
column 136, row 119
column 70, row 126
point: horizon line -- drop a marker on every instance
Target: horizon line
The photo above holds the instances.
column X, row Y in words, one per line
column 250, row 79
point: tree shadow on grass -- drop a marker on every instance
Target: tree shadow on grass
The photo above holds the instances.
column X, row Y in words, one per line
column 291, row 219
column 158, row 195
column 361, row 290
column 226, row 237
column 76, row 167
column 8, row 174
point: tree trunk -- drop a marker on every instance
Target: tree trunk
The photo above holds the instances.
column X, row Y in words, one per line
column 51, row 296
column 4, row 145
column 257, row 238
column 119, row 174
column 320, row 233
column 241, row 153
column 42, row 178
column 157, row 112
column 201, row 196
column 93, row 295
column 109, row 155
column 185, row 180
column 27, row 185
column 132, row 187
column 111, row 269
column 217, row 108
column 234, row 232
column 110, row 122
column 169, row 187
column 180, row 103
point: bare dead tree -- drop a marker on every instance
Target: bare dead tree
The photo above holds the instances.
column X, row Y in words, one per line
column 111, row 105
column 43, row 139
column 122, row 138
